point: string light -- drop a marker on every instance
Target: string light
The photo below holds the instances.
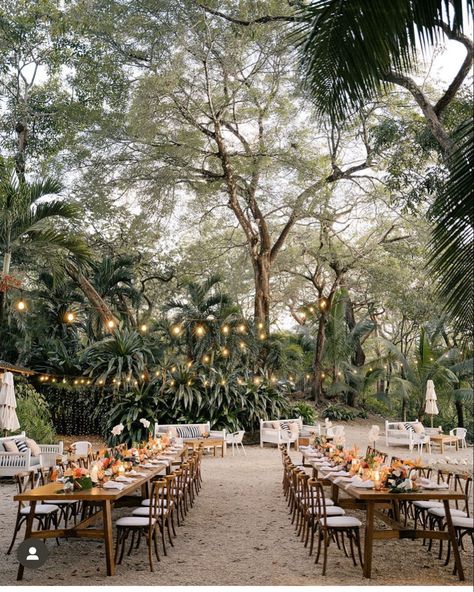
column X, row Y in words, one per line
column 225, row 329
column 262, row 336
column 303, row 314
column 311, row 309
column 189, row 363
column 69, row 317
column 308, row 376
column 157, row 373
column 273, row 379
column 323, row 375
column 144, row 328
column 21, row 305
column 110, row 324
column 257, row 380
column 173, row 368
column 323, row 304
column 241, row 328
column 200, row 331
column 190, row 382
column 77, row 382
column 260, row 325
column 339, row 374
column 223, row 382
column 142, row 376
column 225, row 352
column 176, row 330
column 206, row 359
column 242, row 345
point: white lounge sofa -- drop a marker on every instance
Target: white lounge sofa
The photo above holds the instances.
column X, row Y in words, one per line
column 271, row 431
column 12, row 463
column 202, row 428
column 396, row 435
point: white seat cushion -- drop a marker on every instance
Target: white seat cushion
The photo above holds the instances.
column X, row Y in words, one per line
column 40, row 509
column 146, row 502
column 134, row 521
column 343, row 522
column 428, row 504
column 441, row 513
column 145, row 511
column 331, row 511
column 463, row 522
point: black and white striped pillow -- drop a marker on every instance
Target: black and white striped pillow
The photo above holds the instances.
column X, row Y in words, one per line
column 409, row 427
column 22, row 445
column 188, row 432
column 284, row 425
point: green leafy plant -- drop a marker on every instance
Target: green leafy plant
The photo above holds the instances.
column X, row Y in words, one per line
column 33, row 414
column 339, row 413
column 304, row 410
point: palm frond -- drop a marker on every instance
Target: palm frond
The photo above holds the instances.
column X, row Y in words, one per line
column 349, row 46
column 452, row 259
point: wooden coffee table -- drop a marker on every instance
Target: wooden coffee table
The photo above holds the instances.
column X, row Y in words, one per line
column 441, row 440
column 208, row 443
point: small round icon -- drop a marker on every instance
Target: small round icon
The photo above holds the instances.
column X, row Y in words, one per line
column 32, row 553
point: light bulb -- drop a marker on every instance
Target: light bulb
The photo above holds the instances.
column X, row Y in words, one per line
column 225, row 330
column 69, row 317
column 111, row 324
column 21, row 305
column 144, row 328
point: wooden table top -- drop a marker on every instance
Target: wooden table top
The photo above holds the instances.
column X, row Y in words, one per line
column 443, row 438
column 51, row 490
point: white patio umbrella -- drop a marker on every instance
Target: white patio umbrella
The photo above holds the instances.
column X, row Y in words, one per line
column 8, row 419
column 431, row 408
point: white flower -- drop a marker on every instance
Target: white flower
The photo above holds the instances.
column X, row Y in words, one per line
column 145, row 422
column 118, row 429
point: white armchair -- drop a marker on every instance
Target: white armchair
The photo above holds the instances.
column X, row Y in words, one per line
column 460, row 434
column 235, row 439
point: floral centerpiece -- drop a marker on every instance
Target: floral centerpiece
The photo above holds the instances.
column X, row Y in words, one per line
column 400, row 478
column 79, row 478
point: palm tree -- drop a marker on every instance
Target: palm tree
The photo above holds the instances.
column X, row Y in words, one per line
column 201, row 315
column 29, row 223
column 354, row 50
column 122, row 356
column 113, row 280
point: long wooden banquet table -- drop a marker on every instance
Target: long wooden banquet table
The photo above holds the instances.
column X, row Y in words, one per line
column 373, row 502
column 100, row 496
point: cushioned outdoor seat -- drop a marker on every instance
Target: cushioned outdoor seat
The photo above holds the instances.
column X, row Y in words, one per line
column 40, row 509
column 463, row 522
column 428, row 504
column 134, row 521
column 330, row 511
column 144, row 511
column 440, row 512
column 343, row 522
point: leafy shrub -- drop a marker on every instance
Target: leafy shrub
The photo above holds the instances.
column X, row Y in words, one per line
column 128, row 408
column 33, row 414
column 377, row 406
column 188, row 398
column 304, row 410
column 339, row 413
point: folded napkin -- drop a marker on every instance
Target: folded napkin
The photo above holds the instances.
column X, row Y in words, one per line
column 147, row 466
column 164, row 461
column 123, row 479
column 358, row 482
column 113, row 485
column 337, row 474
column 427, row 484
column 342, row 479
column 136, row 473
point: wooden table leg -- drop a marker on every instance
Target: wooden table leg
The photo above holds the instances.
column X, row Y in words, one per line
column 109, row 537
column 28, row 530
column 368, row 543
column 454, row 543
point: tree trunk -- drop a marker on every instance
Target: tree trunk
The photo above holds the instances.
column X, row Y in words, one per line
column 358, row 356
column 91, row 294
column 262, row 291
column 460, row 413
column 317, row 383
column 404, row 409
column 20, row 156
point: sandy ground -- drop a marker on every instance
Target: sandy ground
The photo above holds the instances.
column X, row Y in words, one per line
column 238, row 533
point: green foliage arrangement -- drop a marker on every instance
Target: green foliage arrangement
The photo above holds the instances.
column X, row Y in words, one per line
column 304, row 410
column 34, row 414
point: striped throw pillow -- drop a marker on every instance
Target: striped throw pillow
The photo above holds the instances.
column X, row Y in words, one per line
column 409, row 427
column 188, row 432
column 21, row 445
